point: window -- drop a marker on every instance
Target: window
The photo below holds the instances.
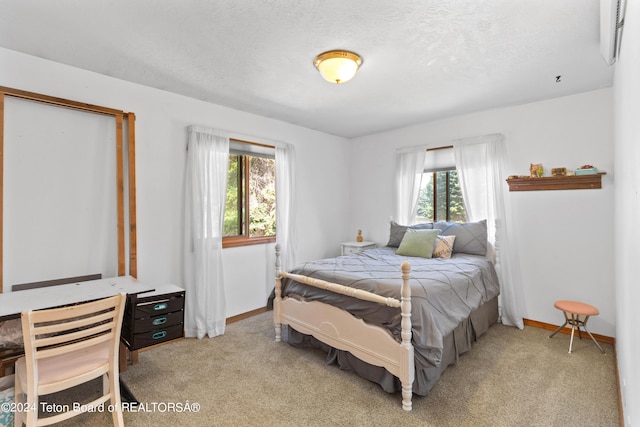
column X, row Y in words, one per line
column 250, row 210
column 440, row 197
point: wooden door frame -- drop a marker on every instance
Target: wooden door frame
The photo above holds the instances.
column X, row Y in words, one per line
column 120, row 116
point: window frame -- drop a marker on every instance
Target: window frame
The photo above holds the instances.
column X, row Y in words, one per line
column 246, row 239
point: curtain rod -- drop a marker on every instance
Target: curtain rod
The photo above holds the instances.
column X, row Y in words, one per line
column 439, row 148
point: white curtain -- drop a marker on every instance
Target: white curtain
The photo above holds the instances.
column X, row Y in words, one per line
column 285, row 191
column 205, row 194
column 409, row 168
column 481, row 165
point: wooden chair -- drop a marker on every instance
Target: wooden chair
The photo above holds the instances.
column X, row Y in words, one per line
column 65, row 347
column 8, row 356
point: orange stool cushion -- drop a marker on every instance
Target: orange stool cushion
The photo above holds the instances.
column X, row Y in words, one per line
column 576, row 307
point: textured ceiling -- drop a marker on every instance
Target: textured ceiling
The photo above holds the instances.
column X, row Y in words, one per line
column 423, row 60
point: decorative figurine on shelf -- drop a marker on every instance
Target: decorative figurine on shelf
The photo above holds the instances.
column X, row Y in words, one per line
column 359, row 236
column 586, row 170
column 536, row 170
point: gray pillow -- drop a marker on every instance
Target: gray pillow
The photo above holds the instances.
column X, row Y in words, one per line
column 396, row 232
column 471, row 237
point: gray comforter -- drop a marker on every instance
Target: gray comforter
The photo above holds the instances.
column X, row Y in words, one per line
column 443, row 292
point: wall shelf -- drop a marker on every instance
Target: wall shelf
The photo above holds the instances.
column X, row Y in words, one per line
column 576, row 182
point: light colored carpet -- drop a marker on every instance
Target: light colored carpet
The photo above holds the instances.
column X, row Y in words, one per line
column 244, row 378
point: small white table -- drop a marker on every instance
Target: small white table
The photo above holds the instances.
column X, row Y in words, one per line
column 356, row 247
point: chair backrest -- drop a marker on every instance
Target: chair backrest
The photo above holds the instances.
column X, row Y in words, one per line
column 57, row 331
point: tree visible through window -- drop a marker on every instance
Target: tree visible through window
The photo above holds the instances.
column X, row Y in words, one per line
column 440, row 198
column 250, row 210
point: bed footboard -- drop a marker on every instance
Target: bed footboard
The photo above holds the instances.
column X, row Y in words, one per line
column 341, row 330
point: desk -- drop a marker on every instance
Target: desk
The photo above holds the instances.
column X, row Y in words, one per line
column 12, row 304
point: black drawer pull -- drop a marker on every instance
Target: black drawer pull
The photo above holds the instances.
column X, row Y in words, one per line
column 160, row 306
column 159, row 321
column 158, row 335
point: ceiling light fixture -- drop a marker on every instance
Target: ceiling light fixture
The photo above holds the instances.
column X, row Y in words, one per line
column 338, row 66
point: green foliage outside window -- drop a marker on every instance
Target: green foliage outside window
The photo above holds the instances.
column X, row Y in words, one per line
column 430, row 210
column 262, row 200
column 258, row 192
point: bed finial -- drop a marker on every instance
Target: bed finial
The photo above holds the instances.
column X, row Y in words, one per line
column 406, row 268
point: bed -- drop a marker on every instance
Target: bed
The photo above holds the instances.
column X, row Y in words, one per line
column 391, row 315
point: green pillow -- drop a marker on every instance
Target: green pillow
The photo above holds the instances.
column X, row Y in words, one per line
column 418, row 243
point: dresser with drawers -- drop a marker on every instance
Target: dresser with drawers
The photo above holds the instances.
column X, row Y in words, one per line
column 153, row 317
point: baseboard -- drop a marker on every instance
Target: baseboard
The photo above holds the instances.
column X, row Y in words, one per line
column 246, row 315
column 620, row 405
column 536, row 324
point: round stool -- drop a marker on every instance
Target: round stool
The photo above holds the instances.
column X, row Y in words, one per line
column 572, row 311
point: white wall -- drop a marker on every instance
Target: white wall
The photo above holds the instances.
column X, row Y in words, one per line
column 627, row 213
column 59, row 185
column 565, row 238
column 161, row 122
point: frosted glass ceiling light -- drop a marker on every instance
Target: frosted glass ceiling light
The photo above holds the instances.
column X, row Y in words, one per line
column 338, row 66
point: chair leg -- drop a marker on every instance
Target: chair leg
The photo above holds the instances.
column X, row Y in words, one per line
column 116, row 401
column 105, row 384
column 18, row 396
column 29, row 405
column 32, row 410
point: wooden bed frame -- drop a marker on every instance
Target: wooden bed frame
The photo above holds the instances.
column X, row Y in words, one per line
column 341, row 330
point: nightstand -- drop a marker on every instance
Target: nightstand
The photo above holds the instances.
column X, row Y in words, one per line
column 356, row 247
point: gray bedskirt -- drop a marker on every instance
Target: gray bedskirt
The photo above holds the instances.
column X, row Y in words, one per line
column 456, row 343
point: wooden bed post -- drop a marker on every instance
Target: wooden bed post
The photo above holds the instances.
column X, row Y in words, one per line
column 407, row 371
column 278, row 299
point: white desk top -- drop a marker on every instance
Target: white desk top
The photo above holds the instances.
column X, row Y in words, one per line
column 14, row 303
